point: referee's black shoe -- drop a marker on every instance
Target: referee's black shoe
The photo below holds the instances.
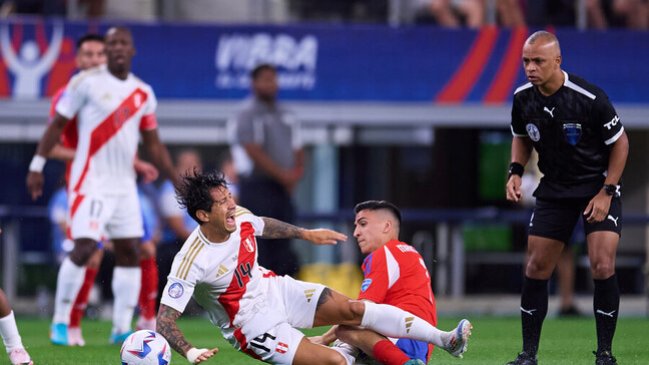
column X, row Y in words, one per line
column 604, row 358
column 525, row 359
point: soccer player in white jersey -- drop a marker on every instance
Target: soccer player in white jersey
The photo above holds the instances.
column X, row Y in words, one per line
column 258, row 312
column 113, row 108
column 10, row 335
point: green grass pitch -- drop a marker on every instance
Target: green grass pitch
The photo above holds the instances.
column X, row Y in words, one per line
column 495, row 340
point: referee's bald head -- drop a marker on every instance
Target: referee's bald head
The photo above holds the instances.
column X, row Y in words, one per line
column 542, row 37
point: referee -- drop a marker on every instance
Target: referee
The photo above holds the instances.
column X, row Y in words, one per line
column 582, row 150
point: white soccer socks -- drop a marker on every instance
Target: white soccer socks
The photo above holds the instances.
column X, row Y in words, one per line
column 393, row 322
column 68, row 283
column 126, row 289
column 9, row 332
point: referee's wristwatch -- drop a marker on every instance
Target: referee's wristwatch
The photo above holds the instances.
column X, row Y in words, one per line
column 612, row 190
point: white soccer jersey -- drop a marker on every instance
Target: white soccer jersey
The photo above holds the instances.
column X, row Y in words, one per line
column 224, row 279
column 110, row 112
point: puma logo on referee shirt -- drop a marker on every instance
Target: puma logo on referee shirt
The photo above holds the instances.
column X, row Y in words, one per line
column 610, row 314
column 613, row 219
column 528, row 311
column 549, row 111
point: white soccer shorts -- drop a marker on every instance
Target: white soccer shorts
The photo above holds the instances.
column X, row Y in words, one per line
column 292, row 303
column 100, row 216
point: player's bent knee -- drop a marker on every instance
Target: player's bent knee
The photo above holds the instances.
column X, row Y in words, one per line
column 334, row 358
column 308, row 354
column 537, row 271
column 602, row 270
column 82, row 251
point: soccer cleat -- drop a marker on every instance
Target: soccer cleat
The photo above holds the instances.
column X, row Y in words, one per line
column 75, row 338
column 118, row 338
column 145, row 324
column 459, row 338
column 59, row 334
column 20, row 357
column 604, row 358
column 414, row 362
column 524, row 359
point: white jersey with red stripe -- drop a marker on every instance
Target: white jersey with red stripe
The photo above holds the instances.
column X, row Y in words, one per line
column 225, row 279
column 110, row 114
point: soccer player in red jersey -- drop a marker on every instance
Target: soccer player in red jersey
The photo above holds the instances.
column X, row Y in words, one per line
column 395, row 274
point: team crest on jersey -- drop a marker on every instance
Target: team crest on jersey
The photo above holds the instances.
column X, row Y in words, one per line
column 366, row 284
column 176, row 290
column 282, row 347
column 533, row 132
column 572, row 131
column 249, row 244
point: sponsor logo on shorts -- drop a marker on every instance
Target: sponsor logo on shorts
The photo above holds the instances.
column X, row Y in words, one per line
column 366, row 284
column 176, row 290
column 282, row 347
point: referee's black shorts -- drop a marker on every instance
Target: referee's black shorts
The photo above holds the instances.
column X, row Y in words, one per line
column 556, row 219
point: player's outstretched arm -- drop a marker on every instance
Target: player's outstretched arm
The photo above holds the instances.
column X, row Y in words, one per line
column 168, row 328
column 274, row 228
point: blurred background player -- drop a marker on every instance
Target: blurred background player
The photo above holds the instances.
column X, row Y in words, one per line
column 270, row 136
column 10, row 336
column 90, row 52
column 178, row 225
column 394, row 274
column 103, row 194
column 148, row 299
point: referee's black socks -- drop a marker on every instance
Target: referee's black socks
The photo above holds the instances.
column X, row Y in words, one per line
column 606, row 305
column 534, row 307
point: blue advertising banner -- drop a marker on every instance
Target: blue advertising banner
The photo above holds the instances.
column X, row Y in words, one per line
column 325, row 63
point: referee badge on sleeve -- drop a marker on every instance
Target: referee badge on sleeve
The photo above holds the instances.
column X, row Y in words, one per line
column 572, row 131
column 533, row 132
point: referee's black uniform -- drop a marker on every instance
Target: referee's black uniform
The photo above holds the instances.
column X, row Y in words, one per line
column 572, row 131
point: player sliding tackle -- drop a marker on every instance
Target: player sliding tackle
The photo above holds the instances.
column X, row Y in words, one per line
column 258, row 311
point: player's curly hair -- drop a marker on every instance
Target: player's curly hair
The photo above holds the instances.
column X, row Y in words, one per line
column 193, row 193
